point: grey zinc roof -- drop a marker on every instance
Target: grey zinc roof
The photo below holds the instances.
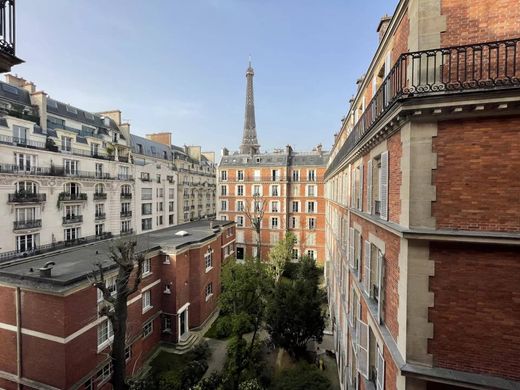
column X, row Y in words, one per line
column 73, row 266
column 276, row 159
column 150, row 148
column 21, row 96
column 80, row 115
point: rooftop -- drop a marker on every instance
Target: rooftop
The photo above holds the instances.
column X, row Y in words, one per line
column 279, row 158
column 72, row 266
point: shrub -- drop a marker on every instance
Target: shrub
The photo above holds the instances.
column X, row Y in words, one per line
column 201, row 351
column 302, row 377
column 223, row 327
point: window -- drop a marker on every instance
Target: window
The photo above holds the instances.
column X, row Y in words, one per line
column 145, row 176
column 94, row 149
column 146, row 208
column 171, row 193
column 355, row 250
column 139, row 148
column 239, row 220
column 29, row 187
column 147, row 300
column 20, row 134
column 72, row 188
column 208, row 259
column 27, row 242
column 311, row 175
column 312, row 223
column 126, row 189
column 240, row 175
column 159, row 220
column 294, row 222
column 123, row 173
column 26, row 214
column 171, row 206
column 147, row 267
column 274, row 206
column 240, row 190
column 209, row 290
column 357, row 188
column 146, row 194
column 274, row 223
column 295, row 175
column 295, row 254
column 158, row 178
column 71, row 234
column 125, row 226
column 223, row 205
column 274, row 190
column 295, row 206
column 223, row 190
column 89, row 384
column 100, row 229
column 146, row 223
column 71, row 167
column 256, row 175
column 71, row 109
column 167, row 324
column 275, row 175
column 240, row 205
column 257, row 190
column 148, row 329
column 311, row 190
column 104, row 333
column 311, row 207
column 159, row 206
column 99, row 170
column 310, row 254
column 104, row 374
column 377, row 186
column 66, row 144
column 223, row 175
column 24, row 162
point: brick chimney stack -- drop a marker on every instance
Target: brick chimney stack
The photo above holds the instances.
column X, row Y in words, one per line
column 383, row 26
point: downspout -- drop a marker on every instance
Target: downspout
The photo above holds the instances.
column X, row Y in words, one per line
column 18, row 337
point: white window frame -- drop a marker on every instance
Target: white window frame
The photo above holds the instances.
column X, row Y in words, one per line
column 147, row 267
column 146, row 301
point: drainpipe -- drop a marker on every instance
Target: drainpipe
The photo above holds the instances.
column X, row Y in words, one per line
column 18, row 336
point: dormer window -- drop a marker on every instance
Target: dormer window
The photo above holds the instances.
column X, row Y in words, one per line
column 71, row 109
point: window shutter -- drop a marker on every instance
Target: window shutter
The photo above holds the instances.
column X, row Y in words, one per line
column 384, row 186
column 351, row 248
column 380, row 270
column 366, row 268
column 358, row 244
column 374, row 85
column 360, row 195
column 380, row 369
column 388, row 61
column 352, row 188
column 363, row 359
column 369, row 187
column 351, row 312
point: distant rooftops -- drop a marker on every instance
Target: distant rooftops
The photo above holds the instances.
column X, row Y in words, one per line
column 72, row 266
column 286, row 156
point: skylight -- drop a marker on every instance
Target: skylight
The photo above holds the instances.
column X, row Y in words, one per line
column 182, row 233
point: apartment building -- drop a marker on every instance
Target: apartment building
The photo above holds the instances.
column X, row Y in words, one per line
column 62, row 170
column 51, row 332
column 196, row 184
column 422, row 189
column 156, row 195
column 285, row 189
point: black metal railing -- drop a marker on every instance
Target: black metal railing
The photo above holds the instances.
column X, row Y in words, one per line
column 457, row 69
column 125, row 195
column 7, row 27
column 40, row 249
column 100, row 216
column 126, row 232
column 100, row 195
column 68, row 219
column 27, row 224
column 67, row 196
column 126, row 214
column 26, row 197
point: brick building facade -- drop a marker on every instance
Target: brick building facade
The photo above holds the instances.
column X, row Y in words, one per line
column 423, row 215
column 51, row 333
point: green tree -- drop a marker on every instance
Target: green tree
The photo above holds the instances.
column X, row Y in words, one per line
column 280, row 255
column 294, row 315
column 301, row 377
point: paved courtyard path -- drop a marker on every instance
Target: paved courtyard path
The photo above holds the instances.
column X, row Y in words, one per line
column 217, row 359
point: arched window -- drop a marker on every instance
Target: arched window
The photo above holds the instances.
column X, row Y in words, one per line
column 72, row 188
column 99, row 188
column 126, row 189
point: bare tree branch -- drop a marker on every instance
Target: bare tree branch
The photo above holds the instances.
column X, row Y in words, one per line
column 100, row 284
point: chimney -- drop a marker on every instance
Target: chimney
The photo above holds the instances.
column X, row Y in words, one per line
column 225, row 152
column 163, row 138
column 383, row 26
column 319, row 149
column 288, row 150
column 45, row 271
column 15, row 80
column 30, row 87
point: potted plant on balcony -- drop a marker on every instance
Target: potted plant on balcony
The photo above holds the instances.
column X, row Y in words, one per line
column 51, row 145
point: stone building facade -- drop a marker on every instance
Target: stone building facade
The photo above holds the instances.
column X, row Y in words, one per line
column 422, row 189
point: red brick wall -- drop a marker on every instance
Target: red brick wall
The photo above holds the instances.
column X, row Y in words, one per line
column 476, row 308
column 7, row 351
column 395, row 178
column 44, row 361
column 401, row 38
column 392, row 248
column 479, row 21
column 478, row 174
column 43, row 313
column 7, row 305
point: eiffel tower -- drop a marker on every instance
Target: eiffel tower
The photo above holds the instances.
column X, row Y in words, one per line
column 249, row 141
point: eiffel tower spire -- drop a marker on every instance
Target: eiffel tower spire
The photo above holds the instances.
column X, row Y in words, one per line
column 249, row 141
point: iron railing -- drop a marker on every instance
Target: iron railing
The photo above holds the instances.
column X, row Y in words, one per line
column 67, row 197
column 125, row 195
column 126, row 214
column 27, row 224
column 40, row 249
column 100, row 195
column 7, row 27
column 450, row 70
column 26, row 197
column 57, row 171
column 72, row 219
column 126, row 232
column 100, row 216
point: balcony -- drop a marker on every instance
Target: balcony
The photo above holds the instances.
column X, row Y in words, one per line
column 437, row 72
column 126, row 214
column 125, row 195
column 126, row 232
column 69, row 219
column 26, row 197
column 146, row 178
column 123, row 176
column 100, row 216
column 30, row 224
column 100, row 196
column 69, row 197
column 7, row 42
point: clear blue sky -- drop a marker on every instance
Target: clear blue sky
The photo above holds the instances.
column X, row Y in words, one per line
column 179, row 65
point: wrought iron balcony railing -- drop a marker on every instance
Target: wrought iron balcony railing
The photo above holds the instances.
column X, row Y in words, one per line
column 68, row 219
column 126, row 214
column 126, row 232
column 443, row 71
column 27, row 224
column 100, row 216
column 100, row 195
column 27, row 197
column 126, row 195
column 67, row 197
